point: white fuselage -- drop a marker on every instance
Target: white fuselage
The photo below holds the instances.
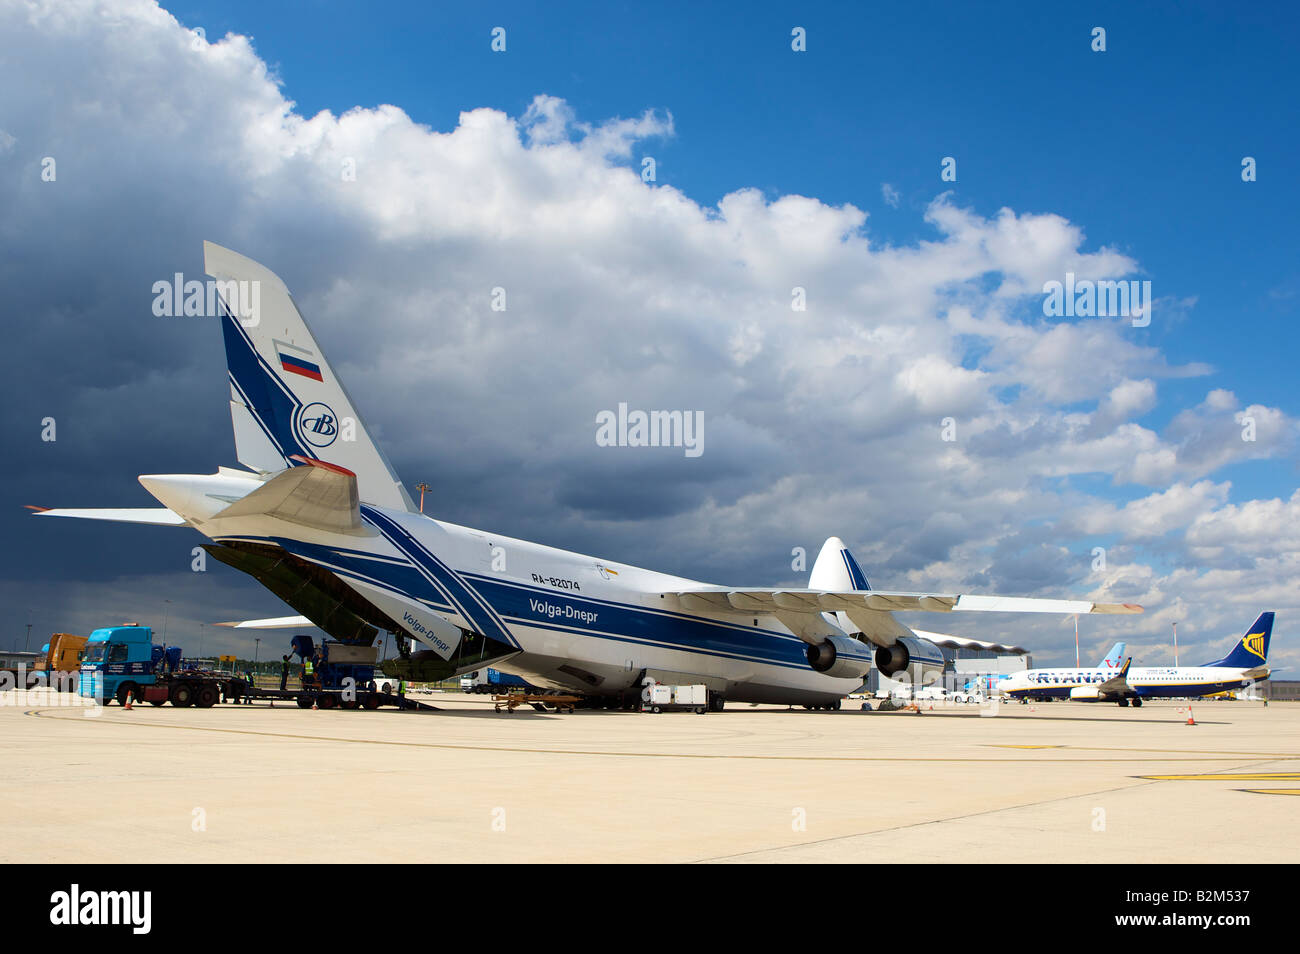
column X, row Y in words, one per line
column 1147, row 682
column 577, row 622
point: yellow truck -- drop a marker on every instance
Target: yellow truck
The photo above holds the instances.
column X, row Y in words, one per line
column 62, row 654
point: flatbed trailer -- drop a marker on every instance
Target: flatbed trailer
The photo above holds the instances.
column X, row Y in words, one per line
column 199, row 688
column 336, row 698
column 511, row 701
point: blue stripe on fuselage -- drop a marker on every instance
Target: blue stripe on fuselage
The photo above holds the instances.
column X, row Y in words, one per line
column 467, row 601
column 638, row 624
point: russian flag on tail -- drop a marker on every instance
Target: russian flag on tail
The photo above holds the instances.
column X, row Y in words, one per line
column 296, row 363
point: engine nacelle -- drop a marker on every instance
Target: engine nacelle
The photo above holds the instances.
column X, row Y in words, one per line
column 909, row 651
column 1085, row 694
column 841, row 656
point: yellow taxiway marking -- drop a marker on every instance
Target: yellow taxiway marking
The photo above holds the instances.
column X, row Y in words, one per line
column 1273, row 791
column 1230, row 777
column 1137, row 748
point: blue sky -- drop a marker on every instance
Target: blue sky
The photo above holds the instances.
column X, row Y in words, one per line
column 1139, row 147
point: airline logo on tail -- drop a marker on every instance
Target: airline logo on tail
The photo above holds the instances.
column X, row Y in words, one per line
column 1253, row 643
column 318, row 424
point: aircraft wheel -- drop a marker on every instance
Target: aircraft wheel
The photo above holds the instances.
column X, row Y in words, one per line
column 1123, row 703
column 1137, row 703
column 834, row 706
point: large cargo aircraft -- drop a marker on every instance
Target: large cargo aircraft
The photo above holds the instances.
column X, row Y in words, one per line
column 320, row 518
column 1246, row 664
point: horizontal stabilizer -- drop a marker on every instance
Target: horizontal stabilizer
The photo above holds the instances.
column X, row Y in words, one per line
column 317, row 495
column 277, row 622
column 158, row 516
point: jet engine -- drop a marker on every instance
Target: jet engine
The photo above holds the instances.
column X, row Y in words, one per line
column 909, row 651
column 840, row 656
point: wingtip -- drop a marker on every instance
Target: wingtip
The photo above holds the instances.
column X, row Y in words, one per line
column 35, row 509
column 324, row 464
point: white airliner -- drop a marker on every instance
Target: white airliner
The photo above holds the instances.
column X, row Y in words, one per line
column 320, row 518
column 993, row 683
column 1246, row 664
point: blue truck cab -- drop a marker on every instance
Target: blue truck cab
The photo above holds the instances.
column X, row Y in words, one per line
column 119, row 658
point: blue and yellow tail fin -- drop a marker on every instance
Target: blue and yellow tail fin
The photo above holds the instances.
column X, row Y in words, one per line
column 1252, row 650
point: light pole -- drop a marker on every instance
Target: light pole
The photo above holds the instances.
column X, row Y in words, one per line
column 201, row 625
column 167, row 606
column 257, row 649
column 1175, row 645
column 28, row 641
column 422, row 487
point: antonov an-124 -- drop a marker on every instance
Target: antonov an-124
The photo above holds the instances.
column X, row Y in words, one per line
column 319, row 517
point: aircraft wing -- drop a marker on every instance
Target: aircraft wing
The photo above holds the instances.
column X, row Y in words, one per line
column 868, row 609
column 961, row 642
column 277, row 622
column 159, row 516
column 817, row 601
column 319, row 495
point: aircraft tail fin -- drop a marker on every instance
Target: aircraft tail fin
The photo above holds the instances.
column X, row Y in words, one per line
column 1252, row 651
column 835, row 569
column 286, row 403
column 1112, row 659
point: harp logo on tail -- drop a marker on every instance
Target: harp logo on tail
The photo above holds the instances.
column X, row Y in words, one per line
column 1253, row 643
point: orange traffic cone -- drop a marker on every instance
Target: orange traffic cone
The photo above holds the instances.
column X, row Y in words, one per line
column 1190, row 720
column 314, row 707
column 127, row 705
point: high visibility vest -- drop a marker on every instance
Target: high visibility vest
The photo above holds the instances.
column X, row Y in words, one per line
column 307, row 667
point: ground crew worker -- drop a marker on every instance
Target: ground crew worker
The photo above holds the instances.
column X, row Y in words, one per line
column 307, row 673
column 401, row 688
column 284, row 673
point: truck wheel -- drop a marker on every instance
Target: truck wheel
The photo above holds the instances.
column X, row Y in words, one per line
column 371, row 701
column 157, row 702
column 327, row 701
column 182, row 695
column 352, row 703
column 123, row 689
column 654, row 708
column 304, row 702
column 207, row 697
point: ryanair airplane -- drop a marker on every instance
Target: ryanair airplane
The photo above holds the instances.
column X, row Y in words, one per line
column 320, row 518
column 1246, row 664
